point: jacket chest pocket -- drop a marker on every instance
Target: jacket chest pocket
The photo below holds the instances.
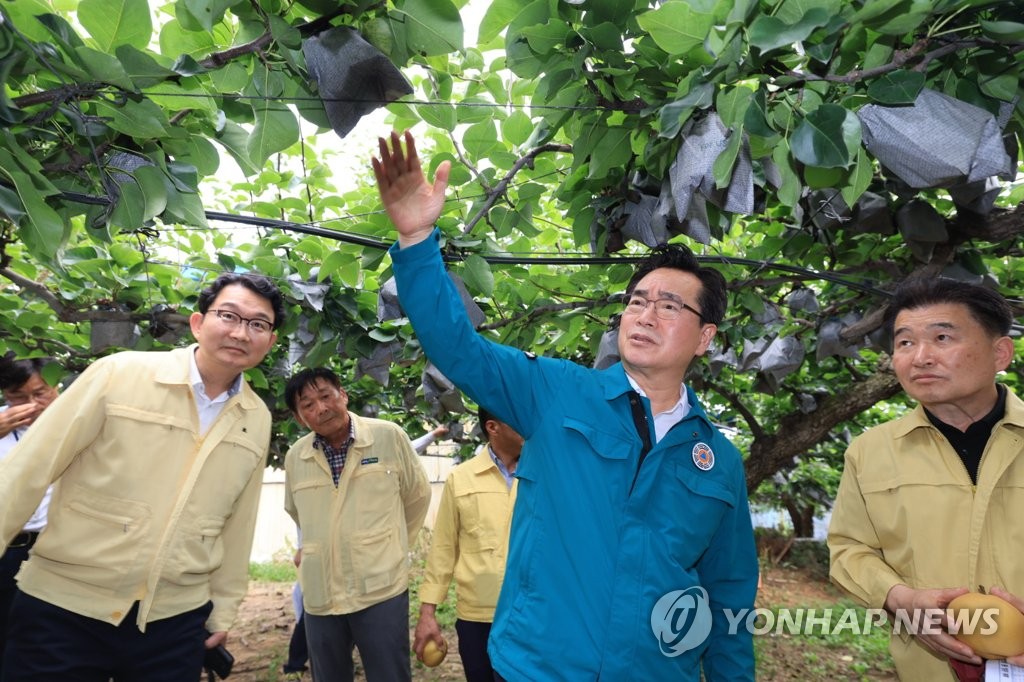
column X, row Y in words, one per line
column 687, row 508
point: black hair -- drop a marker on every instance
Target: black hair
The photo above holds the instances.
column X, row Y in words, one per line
column 713, row 296
column 258, row 284
column 986, row 306
column 304, row 378
column 483, row 416
column 14, row 373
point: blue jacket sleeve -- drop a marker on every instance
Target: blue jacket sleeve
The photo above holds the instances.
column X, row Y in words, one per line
column 501, row 378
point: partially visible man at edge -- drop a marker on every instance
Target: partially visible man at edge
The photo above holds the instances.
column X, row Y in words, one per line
column 630, row 501
column 26, row 395
column 160, row 457
column 930, row 505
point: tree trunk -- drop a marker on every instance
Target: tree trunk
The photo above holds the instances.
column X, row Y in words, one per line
column 798, row 432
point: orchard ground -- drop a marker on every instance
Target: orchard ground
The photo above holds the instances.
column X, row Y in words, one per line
column 792, row 577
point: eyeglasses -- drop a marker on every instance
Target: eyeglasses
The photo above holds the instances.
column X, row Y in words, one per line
column 256, row 325
column 664, row 308
column 42, row 395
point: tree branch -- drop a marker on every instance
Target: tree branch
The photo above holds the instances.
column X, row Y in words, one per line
column 540, row 311
column 502, row 187
column 66, row 313
column 38, row 289
column 219, row 59
column 797, row 432
column 756, row 430
column 900, row 59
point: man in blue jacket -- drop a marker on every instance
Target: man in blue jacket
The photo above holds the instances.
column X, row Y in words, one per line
column 631, row 548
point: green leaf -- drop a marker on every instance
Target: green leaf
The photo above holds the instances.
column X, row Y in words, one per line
column 209, row 12
column 335, row 259
column 722, row 168
column 441, row 116
column 1003, row 31
column 235, row 138
column 545, row 38
column 175, row 40
column 768, row 33
column 142, row 119
column 606, row 36
column 276, row 129
column 129, row 211
column 897, row 87
column 477, row 275
column 23, row 15
column 183, row 207
column 196, row 150
column 820, row 178
column 859, row 179
column 124, row 255
column 517, row 128
column 498, row 15
column 432, row 27
column 674, row 114
column 174, row 97
column 480, row 139
column 755, row 118
column 150, row 180
column 349, row 273
column 789, row 191
column 116, row 22
column 41, row 228
column 732, row 104
column 610, row 151
column 676, row 27
column 143, row 70
column 828, row 137
column 231, row 77
column 1005, row 86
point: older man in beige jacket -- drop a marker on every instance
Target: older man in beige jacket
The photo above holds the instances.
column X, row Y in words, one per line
column 359, row 496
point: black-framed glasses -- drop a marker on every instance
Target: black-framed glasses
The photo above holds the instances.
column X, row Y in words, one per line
column 256, row 325
column 664, row 308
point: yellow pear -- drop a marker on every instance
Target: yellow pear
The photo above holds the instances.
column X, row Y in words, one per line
column 1006, row 638
column 434, row 654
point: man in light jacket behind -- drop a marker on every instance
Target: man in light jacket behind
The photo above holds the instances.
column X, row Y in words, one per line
column 359, row 495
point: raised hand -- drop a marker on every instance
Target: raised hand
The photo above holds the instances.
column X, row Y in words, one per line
column 412, row 203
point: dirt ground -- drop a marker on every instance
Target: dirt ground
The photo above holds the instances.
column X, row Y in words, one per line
column 259, row 640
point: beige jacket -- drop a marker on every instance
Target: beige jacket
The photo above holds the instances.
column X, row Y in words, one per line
column 470, row 539
column 145, row 509
column 356, row 535
column 906, row 512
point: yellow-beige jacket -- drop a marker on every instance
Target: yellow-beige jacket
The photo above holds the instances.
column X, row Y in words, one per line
column 470, row 539
column 907, row 513
column 145, row 508
column 356, row 535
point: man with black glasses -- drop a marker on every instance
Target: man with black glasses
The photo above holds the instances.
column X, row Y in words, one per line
column 631, row 539
column 160, row 458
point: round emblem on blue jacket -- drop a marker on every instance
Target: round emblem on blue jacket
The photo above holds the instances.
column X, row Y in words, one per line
column 703, row 456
